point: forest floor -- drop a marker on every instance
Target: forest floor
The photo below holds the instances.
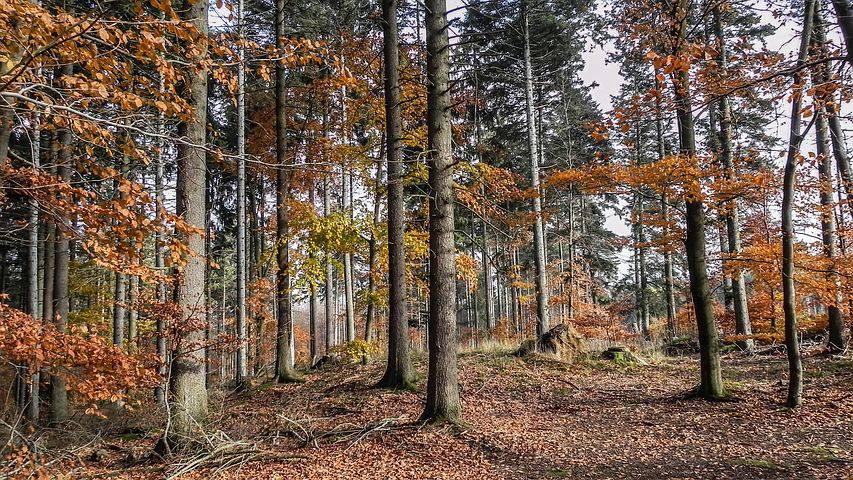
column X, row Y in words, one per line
column 525, row 418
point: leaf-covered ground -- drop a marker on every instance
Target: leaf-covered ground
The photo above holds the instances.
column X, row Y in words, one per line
column 531, row 418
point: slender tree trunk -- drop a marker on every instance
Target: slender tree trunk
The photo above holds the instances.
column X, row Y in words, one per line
column 398, row 370
column 711, row 385
column 62, row 304
column 261, row 270
column 33, row 290
column 330, row 275
column 370, row 316
column 789, row 297
column 442, row 402
column 842, row 162
column 189, row 403
column 346, row 190
column 133, row 313
column 119, row 311
column 159, row 263
column 284, row 337
column 829, row 236
column 743, row 326
column 836, row 341
column 541, row 279
column 313, row 302
column 242, row 339
column 669, row 290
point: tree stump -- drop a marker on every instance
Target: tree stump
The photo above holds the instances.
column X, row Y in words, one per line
column 621, row 354
column 561, row 341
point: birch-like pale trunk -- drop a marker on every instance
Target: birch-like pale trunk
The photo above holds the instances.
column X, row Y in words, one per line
column 242, row 338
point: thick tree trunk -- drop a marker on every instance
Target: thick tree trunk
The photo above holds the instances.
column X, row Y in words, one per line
column 711, row 385
column 189, row 402
column 442, row 402
column 284, row 330
column 541, row 280
column 789, row 297
column 398, row 371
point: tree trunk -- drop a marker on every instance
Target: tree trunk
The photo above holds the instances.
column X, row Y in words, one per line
column 743, row 326
column 33, row 290
column 284, row 331
column 346, row 190
column 370, row 316
column 330, row 275
column 119, row 311
column 711, row 385
column 829, row 236
column 844, row 13
column 789, row 297
column 313, row 305
column 242, row 339
column 442, row 402
column 541, row 280
column 159, row 262
column 398, row 371
column 62, row 305
column 669, row 291
column 189, row 404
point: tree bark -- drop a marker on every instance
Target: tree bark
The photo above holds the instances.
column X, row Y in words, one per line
column 743, row 326
column 284, row 331
column 313, row 303
column 33, row 290
column 189, row 402
column 789, row 297
column 844, row 13
column 669, row 291
column 242, row 338
column 835, row 327
column 62, row 305
column 442, row 402
column 330, row 275
column 159, row 263
column 711, row 385
column 541, row 280
column 398, row 370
